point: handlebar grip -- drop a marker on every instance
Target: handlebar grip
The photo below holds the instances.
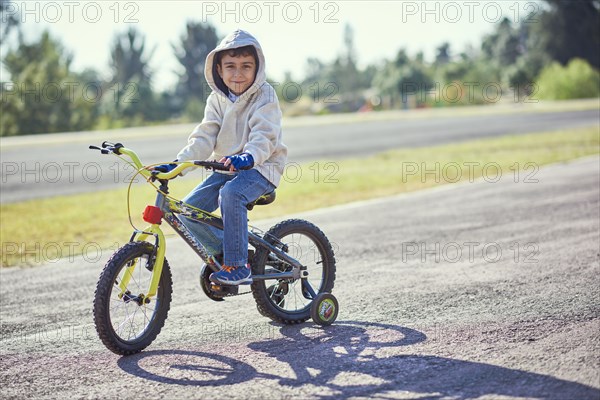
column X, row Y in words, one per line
column 217, row 166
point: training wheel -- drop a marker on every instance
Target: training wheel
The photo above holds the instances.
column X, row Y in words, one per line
column 324, row 309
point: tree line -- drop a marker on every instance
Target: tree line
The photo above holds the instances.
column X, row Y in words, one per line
column 556, row 57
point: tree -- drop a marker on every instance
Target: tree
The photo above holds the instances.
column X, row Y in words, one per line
column 44, row 95
column 338, row 85
column 315, row 70
column 128, row 58
column 131, row 84
column 199, row 39
column 402, row 77
column 386, row 81
column 343, row 70
column 9, row 17
column 349, row 43
column 503, row 47
column 442, row 56
column 402, row 58
column 570, row 29
column 574, row 81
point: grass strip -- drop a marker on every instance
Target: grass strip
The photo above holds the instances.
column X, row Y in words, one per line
column 45, row 230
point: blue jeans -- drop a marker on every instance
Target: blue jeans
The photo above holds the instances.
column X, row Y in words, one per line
column 232, row 193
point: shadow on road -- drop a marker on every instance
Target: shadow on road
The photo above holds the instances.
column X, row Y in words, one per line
column 349, row 359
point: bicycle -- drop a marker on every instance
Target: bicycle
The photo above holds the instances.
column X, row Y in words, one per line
column 134, row 290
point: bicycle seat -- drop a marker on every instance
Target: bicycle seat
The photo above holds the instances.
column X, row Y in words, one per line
column 262, row 200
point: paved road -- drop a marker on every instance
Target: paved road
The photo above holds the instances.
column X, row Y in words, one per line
column 63, row 168
column 473, row 291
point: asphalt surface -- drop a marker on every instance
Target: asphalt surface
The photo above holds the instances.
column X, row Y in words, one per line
column 66, row 166
column 470, row 291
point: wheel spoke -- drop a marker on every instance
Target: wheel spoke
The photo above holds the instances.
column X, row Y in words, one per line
column 304, row 248
column 125, row 321
column 131, row 327
column 119, row 304
column 131, row 324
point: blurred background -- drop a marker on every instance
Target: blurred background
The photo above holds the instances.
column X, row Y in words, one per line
column 98, row 65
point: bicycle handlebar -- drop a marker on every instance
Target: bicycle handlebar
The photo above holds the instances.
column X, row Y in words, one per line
column 119, row 149
column 214, row 165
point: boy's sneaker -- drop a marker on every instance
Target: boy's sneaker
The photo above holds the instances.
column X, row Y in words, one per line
column 232, row 276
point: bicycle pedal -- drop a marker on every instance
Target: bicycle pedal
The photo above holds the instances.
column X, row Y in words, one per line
column 224, row 290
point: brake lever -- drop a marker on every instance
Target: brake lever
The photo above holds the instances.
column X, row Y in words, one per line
column 103, row 151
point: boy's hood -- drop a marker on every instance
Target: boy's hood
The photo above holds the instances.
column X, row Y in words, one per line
column 238, row 38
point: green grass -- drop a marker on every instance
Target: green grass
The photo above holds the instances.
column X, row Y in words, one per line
column 42, row 230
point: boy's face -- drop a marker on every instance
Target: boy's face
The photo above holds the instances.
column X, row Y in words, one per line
column 237, row 72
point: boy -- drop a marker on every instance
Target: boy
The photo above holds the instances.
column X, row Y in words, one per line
column 242, row 128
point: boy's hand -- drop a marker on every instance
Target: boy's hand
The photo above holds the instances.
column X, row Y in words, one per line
column 239, row 162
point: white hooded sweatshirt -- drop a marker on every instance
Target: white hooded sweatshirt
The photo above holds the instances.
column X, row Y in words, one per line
column 251, row 124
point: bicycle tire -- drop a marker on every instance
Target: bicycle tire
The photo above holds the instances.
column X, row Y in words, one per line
column 264, row 302
column 102, row 300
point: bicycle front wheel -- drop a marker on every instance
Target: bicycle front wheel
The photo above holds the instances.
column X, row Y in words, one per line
column 126, row 322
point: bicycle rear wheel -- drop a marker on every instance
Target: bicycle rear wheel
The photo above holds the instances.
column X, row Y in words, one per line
column 127, row 323
column 289, row 300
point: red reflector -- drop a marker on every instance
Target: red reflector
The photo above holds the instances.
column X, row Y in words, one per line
column 152, row 215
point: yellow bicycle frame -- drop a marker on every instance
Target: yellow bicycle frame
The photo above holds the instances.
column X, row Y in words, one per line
column 153, row 229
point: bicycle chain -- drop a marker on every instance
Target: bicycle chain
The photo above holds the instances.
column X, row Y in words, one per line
column 239, row 294
column 232, row 295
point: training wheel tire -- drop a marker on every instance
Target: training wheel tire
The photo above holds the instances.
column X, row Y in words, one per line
column 324, row 309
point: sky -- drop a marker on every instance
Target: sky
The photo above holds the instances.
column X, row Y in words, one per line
column 290, row 32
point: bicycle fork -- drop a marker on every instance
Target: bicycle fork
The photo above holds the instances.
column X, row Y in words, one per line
column 153, row 215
